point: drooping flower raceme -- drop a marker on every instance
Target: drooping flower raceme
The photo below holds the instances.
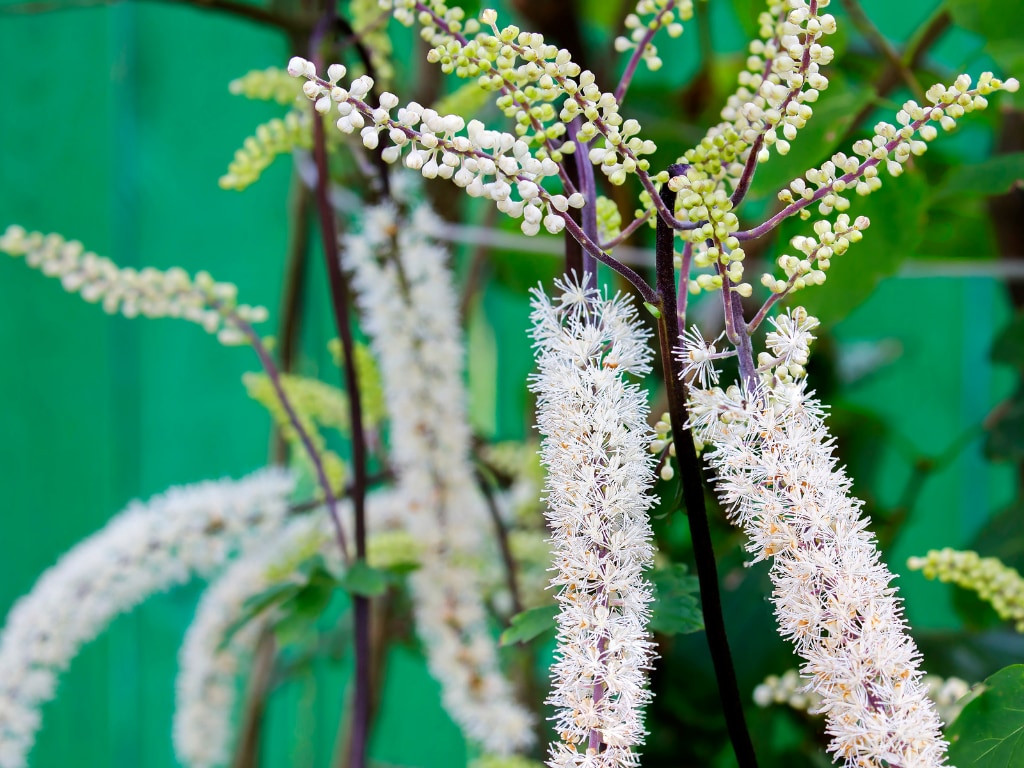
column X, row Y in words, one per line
column 222, row 639
column 409, row 311
column 145, row 550
column 595, row 442
column 772, row 455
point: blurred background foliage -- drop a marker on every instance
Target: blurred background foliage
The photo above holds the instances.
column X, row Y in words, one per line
column 117, row 123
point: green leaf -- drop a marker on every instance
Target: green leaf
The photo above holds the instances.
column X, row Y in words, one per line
column 989, row 733
column 676, row 610
column 994, row 176
column 530, row 624
column 364, row 580
column 1009, row 344
column 1005, row 440
column 993, row 20
column 257, row 604
column 301, row 612
column 897, row 217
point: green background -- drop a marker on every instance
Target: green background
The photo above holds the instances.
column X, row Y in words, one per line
column 115, row 123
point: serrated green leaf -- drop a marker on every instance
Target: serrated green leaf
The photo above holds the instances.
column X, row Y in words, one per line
column 989, row 732
column 897, row 216
column 676, row 609
column 364, row 580
column 994, row 176
column 527, row 625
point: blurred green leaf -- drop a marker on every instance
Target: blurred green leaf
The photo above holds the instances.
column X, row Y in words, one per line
column 530, row 624
column 364, row 580
column 994, row 20
column 1009, row 344
column 989, row 733
column 1005, row 441
column 676, row 610
column 897, row 214
column 992, row 177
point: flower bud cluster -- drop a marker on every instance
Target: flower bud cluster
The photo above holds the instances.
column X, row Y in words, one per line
column 892, row 146
column 810, row 268
column 663, row 444
column 789, row 344
column 609, row 219
column 145, row 550
column 995, row 583
column 490, row 164
column 595, row 439
column 274, row 137
column 270, row 84
column 648, row 17
column 148, row 292
column 781, row 80
column 777, row 476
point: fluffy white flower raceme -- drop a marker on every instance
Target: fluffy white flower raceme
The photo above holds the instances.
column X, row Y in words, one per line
column 409, row 311
column 218, row 646
column 210, row 661
column 596, row 435
column 833, row 599
column 146, row 549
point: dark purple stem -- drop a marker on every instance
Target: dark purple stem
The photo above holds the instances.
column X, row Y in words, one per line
column 270, row 367
column 693, row 497
column 341, row 301
column 683, row 292
column 588, row 188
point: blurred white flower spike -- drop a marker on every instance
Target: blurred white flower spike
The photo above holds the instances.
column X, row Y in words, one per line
column 149, row 548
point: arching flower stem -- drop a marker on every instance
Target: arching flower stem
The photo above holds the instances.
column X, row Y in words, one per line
column 270, row 368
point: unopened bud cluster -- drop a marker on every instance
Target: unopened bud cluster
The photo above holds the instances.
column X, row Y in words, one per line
column 810, row 268
column 270, row 84
column 781, row 80
column 148, row 292
column 891, row 147
column 490, row 164
column 531, row 76
column 663, row 445
column 274, row 137
column 995, row 583
column 648, row 18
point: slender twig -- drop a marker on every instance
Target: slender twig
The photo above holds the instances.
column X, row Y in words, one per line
column 274, row 374
column 935, row 27
column 341, row 301
column 638, row 54
column 501, row 533
column 588, row 188
column 693, row 496
column 877, row 40
column 247, row 748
